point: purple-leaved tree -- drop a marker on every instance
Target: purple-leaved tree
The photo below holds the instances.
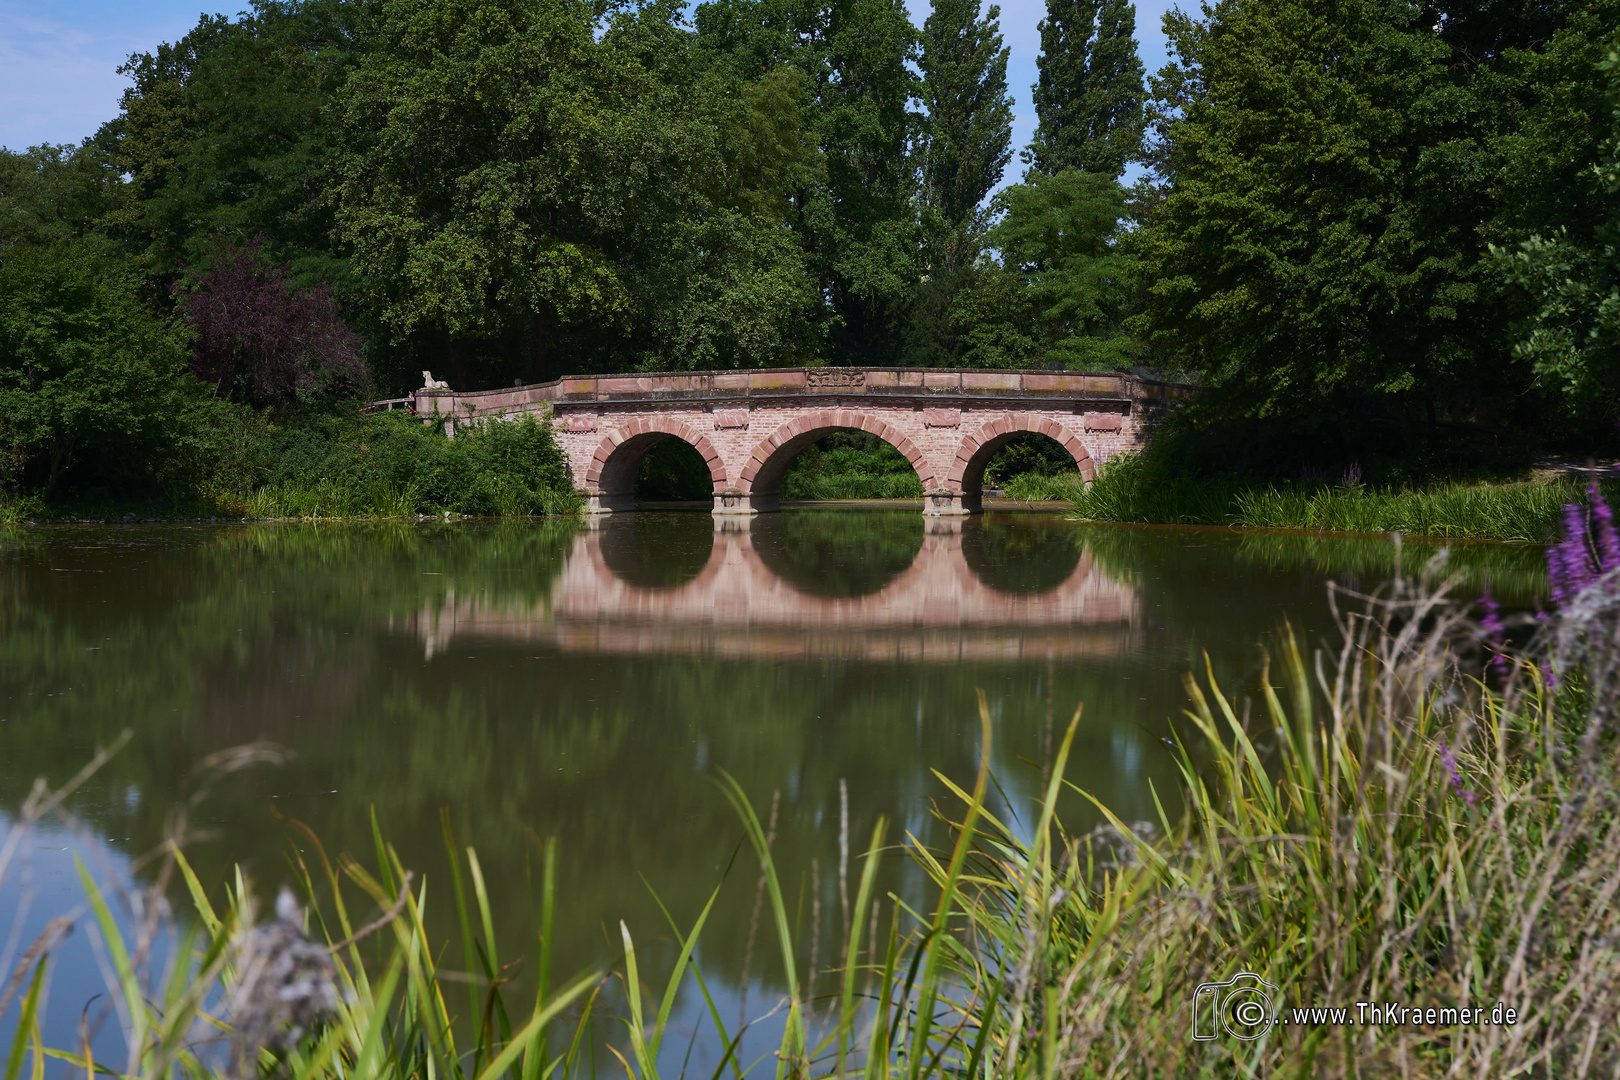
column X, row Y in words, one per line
column 263, row 339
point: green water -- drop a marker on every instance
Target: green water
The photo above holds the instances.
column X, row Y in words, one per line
column 530, row 680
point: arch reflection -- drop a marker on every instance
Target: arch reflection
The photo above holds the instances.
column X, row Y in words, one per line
column 834, row 554
column 656, row 551
column 1023, row 558
column 963, row 595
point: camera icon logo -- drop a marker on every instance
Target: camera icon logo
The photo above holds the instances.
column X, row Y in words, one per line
column 1244, row 1006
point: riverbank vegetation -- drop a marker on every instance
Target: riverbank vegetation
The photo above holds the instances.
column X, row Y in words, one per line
column 277, row 216
column 1133, row 489
column 1421, row 816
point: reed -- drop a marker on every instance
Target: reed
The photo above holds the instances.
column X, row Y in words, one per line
column 1132, row 490
column 1046, row 487
column 1381, row 827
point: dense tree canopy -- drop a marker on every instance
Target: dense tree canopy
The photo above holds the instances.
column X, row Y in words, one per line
column 1375, row 220
column 1333, row 177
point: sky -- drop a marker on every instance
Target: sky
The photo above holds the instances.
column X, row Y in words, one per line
column 58, row 58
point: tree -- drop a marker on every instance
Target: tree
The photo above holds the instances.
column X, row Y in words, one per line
column 234, row 129
column 1331, row 174
column 263, row 340
column 858, row 226
column 52, row 193
column 966, row 148
column 88, row 374
column 1572, row 335
column 534, row 197
column 964, row 87
column 1089, row 96
column 1057, row 294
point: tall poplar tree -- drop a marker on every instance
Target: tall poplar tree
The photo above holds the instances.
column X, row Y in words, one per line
column 964, row 67
column 1089, row 96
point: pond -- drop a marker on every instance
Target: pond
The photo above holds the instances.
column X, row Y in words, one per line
column 587, row 681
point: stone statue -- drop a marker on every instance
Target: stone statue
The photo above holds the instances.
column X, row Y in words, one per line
column 430, row 383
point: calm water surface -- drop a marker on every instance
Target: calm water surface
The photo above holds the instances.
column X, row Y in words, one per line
column 529, row 680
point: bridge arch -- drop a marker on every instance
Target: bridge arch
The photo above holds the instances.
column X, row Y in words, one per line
column 610, row 479
column 966, row 478
column 761, row 475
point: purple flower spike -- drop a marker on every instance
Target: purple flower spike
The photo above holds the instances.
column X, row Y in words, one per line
column 1448, row 758
column 1490, row 622
column 1608, row 543
column 1570, row 566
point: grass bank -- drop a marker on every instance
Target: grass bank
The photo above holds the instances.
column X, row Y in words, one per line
column 1132, row 490
column 1387, row 822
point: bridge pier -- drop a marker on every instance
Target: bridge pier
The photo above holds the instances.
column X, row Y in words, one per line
column 597, row 502
column 742, row 503
column 947, row 503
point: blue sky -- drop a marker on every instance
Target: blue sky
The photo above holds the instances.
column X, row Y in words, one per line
column 58, row 58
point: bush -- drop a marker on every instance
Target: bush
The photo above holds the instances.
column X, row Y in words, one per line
column 93, row 388
column 345, row 464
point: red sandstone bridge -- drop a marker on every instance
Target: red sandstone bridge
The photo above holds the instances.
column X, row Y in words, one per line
column 750, row 425
column 942, row 608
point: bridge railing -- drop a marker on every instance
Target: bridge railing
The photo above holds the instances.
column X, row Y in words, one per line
column 771, row 383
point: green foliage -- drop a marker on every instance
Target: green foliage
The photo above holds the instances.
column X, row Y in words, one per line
column 964, row 69
column 1139, row 489
column 856, row 220
column 338, row 464
column 1570, row 337
column 232, row 130
column 1034, row 468
column 53, row 193
column 1058, row 294
column 1089, row 94
column 88, row 374
column 1046, row 487
column 1332, row 173
column 520, row 185
column 674, row 470
column 851, row 465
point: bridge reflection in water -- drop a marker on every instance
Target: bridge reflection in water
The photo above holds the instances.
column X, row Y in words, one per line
column 791, row 587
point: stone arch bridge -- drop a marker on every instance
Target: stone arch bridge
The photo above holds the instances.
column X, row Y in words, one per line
column 750, row 425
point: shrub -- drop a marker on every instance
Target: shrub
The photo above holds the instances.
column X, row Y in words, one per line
column 93, row 387
column 343, row 463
